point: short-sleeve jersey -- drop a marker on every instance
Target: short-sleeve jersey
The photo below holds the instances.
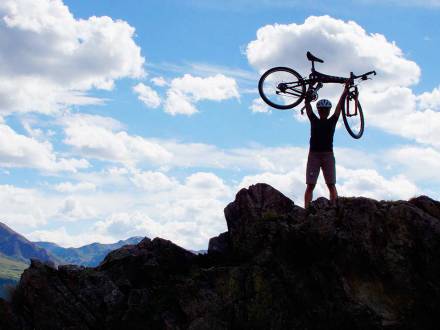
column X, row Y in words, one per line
column 321, row 133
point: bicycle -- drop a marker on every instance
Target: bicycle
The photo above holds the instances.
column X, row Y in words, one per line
column 283, row 88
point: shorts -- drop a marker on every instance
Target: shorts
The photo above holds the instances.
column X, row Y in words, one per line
column 321, row 160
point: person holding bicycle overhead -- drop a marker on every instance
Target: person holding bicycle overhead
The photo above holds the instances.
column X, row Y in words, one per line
column 321, row 155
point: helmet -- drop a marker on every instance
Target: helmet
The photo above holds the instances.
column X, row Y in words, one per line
column 324, row 103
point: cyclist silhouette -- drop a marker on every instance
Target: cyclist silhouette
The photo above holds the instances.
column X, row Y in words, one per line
column 321, row 155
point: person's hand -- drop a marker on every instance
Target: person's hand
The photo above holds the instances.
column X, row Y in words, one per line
column 309, row 95
column 347, row 86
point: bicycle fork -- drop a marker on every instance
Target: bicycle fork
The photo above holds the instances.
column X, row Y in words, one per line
column 353, row 95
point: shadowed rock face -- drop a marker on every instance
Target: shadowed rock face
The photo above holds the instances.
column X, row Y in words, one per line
column 362, row 265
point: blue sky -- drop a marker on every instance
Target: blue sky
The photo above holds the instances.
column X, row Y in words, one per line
column 84, row 159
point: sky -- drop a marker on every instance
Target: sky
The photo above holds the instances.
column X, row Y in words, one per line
column 142, row 118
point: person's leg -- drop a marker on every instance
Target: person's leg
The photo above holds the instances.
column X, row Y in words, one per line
column 333, row 193
column 308, row 195
column 329, row 171
column 312, row 173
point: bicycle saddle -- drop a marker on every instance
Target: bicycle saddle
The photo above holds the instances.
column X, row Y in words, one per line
column 313, row 58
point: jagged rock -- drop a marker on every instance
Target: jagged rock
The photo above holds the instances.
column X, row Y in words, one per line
column 256, row 218
column 362, row 264
column 219, row 244
column 428, row 205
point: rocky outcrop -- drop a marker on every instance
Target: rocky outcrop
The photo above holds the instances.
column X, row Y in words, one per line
column 364, row 264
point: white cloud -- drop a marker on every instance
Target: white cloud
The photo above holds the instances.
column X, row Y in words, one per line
column 178, row 103
column 73, row 210
column 258, row 105
column 187, row 211
column 69, row 187
column 185, row 91
column 395, row 111
column 369, row 183
column 107, row 142
column 24, row 151
column 21, row 208
column 159, row 81
column 430, row 100
column 147, row 95
column 344, row 46
column 419, row 163
column 49, row 59
column 152, row 181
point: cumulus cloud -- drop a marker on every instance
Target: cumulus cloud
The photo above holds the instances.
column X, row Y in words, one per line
column 395, row 111
column 108, row 142
column 104, row 139
column 258, row 105
column 430, row 100
column 388, row 100
column 69, row 187
column 147, row 95
column 159, row 81
column 28, row 152
column 419, row 163
column 73, row 209
column 152, row 181
column 369, row 183
column 49, row 59
column 345, row 47
column 185, row 91
column 21, row 208
column 188, row 211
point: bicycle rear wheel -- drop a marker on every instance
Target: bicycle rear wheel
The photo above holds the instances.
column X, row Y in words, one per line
column 353, row 117
column 282, row 88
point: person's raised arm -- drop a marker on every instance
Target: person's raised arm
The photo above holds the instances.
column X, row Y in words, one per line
column 307, row 101
column 341, row 99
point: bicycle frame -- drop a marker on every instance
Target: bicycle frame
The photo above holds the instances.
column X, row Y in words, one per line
column 318, row 77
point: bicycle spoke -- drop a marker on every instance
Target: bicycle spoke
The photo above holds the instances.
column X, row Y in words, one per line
column 296, row 93
column 281, row 88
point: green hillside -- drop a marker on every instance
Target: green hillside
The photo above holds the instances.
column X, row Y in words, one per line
column 10, row 272
column 11, row 269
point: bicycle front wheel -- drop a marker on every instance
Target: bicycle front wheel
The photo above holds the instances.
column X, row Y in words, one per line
column 282, row 88
column 353, row 117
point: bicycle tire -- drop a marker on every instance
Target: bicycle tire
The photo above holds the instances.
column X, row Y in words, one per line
column 267, row 94
column 360, row 132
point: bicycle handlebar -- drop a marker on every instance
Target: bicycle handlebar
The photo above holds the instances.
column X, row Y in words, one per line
column 364, row 75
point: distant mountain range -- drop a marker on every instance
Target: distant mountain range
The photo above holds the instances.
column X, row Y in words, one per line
column 16, row 252
column 88, row 255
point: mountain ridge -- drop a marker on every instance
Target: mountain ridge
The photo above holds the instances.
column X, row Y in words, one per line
column 16, row 246
column 86, row 255
column 16, row 253
column 362, row 264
